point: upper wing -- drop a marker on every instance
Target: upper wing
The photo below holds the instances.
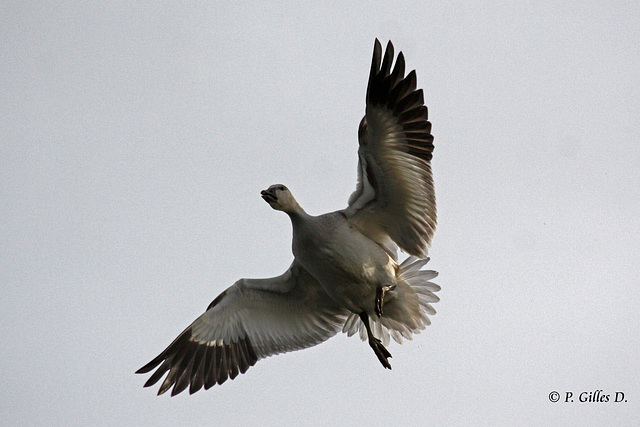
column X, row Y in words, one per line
column 395, row 198
column 252, row 319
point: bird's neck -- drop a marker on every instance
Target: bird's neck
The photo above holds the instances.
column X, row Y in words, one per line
column 297, row 215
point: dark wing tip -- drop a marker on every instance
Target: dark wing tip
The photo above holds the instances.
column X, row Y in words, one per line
column 377, row 45
column 400, row 95
column 217, row 299
column 375, row 63
column 148, row 367
column 385, row 68
column 195, row 365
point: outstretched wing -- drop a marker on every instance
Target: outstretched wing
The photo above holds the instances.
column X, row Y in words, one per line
column 251, row 320
column 395, row 198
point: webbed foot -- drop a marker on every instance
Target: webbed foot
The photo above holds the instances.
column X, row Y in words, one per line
column 380, row 350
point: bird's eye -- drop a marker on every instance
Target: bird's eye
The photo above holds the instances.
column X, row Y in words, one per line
column 281, row 188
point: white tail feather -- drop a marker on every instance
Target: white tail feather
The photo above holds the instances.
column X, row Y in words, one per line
column 406, row 307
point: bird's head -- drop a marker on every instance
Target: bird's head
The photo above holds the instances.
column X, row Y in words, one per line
column 280, row 198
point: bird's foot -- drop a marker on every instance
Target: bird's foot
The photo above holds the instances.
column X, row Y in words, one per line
column 381, row 291
column 380, row 351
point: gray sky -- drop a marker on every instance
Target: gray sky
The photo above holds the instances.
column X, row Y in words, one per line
column 135, row 140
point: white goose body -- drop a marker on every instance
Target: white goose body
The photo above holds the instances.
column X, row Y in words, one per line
column 345, row 275
column 349, row 266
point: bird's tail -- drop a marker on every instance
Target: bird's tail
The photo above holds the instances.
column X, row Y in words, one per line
column 406, row 308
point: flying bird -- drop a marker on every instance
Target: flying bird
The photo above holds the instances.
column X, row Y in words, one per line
column 345, row 275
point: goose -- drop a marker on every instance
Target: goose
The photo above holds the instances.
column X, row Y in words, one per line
column 345, row 275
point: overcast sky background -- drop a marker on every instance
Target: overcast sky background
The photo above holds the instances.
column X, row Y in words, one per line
column 135, row 139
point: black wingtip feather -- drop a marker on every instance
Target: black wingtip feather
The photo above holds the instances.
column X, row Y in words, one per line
column 385, row 68
column 197, row 371
column 195, row 365
column 171, row 350
column 243, row 362
column 375, row 64
column 221, row 356
column 209, row 368
column 158, row 373
column 398, row 71
column 149, row 366
column 233, row 362
column 399, row 94
column 183, row 380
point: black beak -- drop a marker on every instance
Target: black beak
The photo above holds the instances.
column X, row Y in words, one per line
column 269, row 195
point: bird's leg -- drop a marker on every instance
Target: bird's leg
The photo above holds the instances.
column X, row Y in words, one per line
column 380, row 292
column 380, row 351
